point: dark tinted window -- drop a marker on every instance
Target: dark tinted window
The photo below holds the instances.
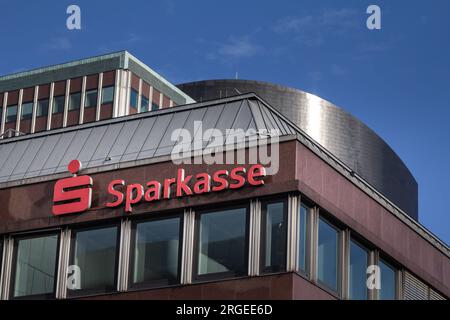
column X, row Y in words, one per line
column 144, row 104
column 303, row 239
column 274, row 226
column 11, row 113
column 221, row 244
column 94, row 257
column 156, row 252
column 90, row 99
column 27, row 110
column 75, row 101
column 134, row 98
column 107, row 95
column 327, row 259
column 388, row 281
column 42, row 108
column 35, row 267
column 358, row 272
column 58, row 104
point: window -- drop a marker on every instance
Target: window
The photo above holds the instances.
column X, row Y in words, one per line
column 327, row 255
column 35, row 264
column 144, row 104
column 134, row 99
column 42, row 108
column 11, row 113
column 221, row 243
column 388, row 281
column 154, row 106
column 107, row 95
column 90, row 99
column 75, row 101
column 359, row 257
column 156, row 254
column 94, row 256
column 58, row 104
column 27, row 110
column 303, row 239
column 274, row 228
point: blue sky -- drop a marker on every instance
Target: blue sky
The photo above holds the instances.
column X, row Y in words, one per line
column 396, row 80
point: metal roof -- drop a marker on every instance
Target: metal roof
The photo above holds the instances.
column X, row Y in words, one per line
column 130, row 138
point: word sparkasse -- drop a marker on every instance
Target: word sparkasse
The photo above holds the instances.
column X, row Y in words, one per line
column 184, row 185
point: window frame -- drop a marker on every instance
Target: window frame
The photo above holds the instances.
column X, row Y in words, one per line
column 29, row 116
column 262, row 254
column 86, row 94
column 95, row 291
column 321, row 215
column 16, row 106
column 12, row 279
column 360, row 243
column 163, row 283
column 309, row 240
column 102, row 103
column 381, row 257
column 227, row 274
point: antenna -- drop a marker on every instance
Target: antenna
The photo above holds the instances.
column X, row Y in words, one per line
column 237, row 75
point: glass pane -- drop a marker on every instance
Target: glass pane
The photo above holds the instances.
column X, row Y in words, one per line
column 27, row 110
column 156, row 251
column 94, row 256
column 107, row 95
column 275, row 237
column 58, row 104
column 90, row 99
column 11, row 113
column 144, row 104
column 35, row 267
column 222, row 242
column 42, row 108
column 302, row 228
column 75, row 101
column 154, row 106
column 327, row 261
column 387, row 290
column 358, row 272
column 134, row 98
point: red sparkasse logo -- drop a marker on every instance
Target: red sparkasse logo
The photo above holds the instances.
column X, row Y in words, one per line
column 72, row 195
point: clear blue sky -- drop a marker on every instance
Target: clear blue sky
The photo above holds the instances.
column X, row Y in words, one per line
column 396, row 80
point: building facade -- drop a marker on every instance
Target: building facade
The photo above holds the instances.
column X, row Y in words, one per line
column 101, row 209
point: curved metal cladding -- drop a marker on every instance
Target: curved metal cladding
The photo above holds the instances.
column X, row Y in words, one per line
column 342, row 134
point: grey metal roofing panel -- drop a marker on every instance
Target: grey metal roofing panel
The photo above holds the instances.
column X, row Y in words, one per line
column 141, row 135
column 125, row 139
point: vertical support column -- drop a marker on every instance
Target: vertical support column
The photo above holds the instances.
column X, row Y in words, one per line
column 50, row 106
column 124, row 255
column 66, row 103
column 123, row 93
column 139, row 96
column 19, row 112
column 150, row 99
column 63, row 264
column 160, row 100
column 3, row 120
column 344, row 263
column 314, row 243
column 254, row 249
column 99, row 96
column 83, row 98
column 8, row 248
column 116, row 101
column 292, row 234
column 128, row 93
column 372, row 293
column 187, row 254
column 171, row 103
column 34, row 112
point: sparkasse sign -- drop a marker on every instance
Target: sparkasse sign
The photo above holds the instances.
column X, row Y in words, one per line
column 74, row 194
